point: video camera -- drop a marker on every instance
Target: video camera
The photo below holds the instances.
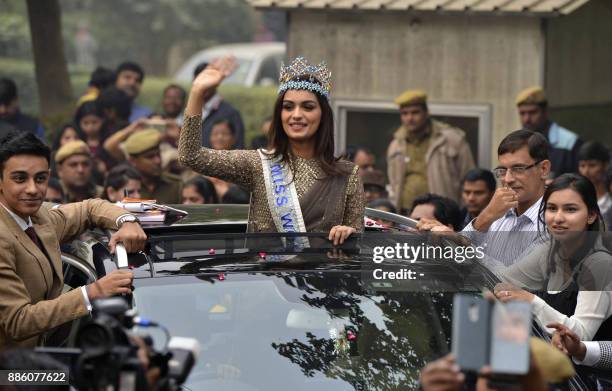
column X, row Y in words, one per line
column 109, row 357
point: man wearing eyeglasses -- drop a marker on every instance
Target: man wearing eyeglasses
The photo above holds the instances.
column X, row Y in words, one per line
column 509, row 223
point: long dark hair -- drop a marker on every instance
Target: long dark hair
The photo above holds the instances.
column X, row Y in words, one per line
column 90, row 108
column 205, row 188
column 584, row 188
column 588, row 194
column 119, row 176
column 324, row 137
column 59, row 133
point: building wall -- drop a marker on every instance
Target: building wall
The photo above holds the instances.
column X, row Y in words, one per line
column 579, row 70
column 455, row 58
column 579, row 56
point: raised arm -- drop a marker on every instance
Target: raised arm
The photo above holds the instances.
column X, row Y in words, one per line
column 233, row 166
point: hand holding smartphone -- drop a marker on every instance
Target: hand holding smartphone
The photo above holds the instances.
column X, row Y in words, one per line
column 494, row 334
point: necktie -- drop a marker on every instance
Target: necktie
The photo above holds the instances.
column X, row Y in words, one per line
column 32, row 234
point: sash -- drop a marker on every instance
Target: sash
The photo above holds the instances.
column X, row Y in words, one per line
column 282, row 198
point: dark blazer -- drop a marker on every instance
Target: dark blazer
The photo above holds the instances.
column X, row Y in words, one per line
column 31, row 299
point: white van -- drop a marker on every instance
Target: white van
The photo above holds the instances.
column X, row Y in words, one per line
column 258, row 63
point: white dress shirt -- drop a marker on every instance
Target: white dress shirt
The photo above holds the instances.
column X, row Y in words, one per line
column 592, row 356
column 509, row 236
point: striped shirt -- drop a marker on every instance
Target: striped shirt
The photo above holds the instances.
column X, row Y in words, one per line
column 509, row 236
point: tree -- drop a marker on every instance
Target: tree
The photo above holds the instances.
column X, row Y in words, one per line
column 54, row 89
column 158, row 33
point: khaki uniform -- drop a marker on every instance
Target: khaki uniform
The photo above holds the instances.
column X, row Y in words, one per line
column 415, row 182
column 92, row 191
column 168, row 190
column 447, row 159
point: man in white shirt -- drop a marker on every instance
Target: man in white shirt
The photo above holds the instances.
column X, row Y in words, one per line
column 508, row 225
column 31, row 278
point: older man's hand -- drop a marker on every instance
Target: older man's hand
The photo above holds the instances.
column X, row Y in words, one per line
column 131, row 235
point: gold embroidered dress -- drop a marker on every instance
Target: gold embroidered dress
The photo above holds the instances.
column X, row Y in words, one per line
column 322, row 210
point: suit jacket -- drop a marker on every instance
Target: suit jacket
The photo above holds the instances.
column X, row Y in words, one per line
column 31, row 299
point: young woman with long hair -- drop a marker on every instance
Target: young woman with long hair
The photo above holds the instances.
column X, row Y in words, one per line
column 298, row 185
column 572, row 269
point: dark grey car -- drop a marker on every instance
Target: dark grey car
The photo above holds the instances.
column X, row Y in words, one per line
column 270, row 317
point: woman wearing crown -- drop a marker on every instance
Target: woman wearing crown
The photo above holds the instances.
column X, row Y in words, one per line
column 297, row 185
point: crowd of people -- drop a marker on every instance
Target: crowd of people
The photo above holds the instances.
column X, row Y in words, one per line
column 431, row 171
column 430, row 168
column 541, row 228
column 114, row 147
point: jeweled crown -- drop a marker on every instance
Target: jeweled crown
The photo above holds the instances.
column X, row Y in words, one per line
column 300, row 75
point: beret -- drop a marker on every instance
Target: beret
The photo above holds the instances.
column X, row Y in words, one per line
column 71, row 148
column 142, row 141
column 531, row 96
column 411, row 97
column 553, row 364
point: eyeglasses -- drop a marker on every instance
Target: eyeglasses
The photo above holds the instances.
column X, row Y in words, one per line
column 500, row 172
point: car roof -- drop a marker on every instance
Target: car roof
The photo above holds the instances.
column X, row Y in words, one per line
column 255, row 51
column 250, row 50
column 211, row 214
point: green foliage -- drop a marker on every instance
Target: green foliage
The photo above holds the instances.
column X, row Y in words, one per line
column 156, row 32
column 14, row 30
column 255, row 103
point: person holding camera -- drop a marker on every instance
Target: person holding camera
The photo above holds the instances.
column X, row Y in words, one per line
column 31, row 279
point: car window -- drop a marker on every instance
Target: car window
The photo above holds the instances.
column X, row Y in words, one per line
column 75, row 274
column 268, row 73
column 240, row 74
column 278, row 331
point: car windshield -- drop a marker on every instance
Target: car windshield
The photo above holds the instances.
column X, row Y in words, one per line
column 299, row 330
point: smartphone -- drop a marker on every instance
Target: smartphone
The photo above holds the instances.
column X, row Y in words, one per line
column 511, row 329
column 471, row 329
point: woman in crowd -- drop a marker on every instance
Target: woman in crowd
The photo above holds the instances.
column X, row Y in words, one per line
column 222, row 135
column 199, row 190
column 222, row 138
column 122, row 181
column 574, row 263
column 64, row 134
column 298, row 185
column 89, row 120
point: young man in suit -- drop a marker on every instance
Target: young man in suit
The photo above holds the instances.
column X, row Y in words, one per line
column 31, row 281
